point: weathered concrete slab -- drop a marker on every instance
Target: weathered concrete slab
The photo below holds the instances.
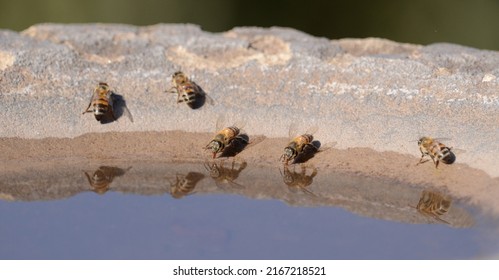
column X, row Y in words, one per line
column 359, row 92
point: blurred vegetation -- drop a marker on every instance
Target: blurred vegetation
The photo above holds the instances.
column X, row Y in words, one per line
column 468, row 22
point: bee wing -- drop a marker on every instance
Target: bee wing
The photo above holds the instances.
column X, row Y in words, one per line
column 458, row 151
column 220, row 123
column 204, row 94
column 327, row 146
column 255, row 140
column 454, row 150
column 293, row 131
column 436, row 139
column 171, row 90
column 127, row 113
column 208, row 99
column 440, row 139
column 90, row 103
column 312, row 130
column 92, row 96
column 240, row 125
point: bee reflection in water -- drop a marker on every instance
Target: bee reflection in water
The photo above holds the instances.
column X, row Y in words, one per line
column 223, row 175
column 102, row 178
column 434, row 205
column 185, row 184
column 298, row 180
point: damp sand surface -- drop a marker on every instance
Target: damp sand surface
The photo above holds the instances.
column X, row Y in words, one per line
column 160, row 195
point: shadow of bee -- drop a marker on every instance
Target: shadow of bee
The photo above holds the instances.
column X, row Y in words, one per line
column 236, row 146
column 308, row 152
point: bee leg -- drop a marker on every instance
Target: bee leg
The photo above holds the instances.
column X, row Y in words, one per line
column 171, row 90
column 281, row 158
column 421, row 159
column 88, row 177
column 436, row 163
column 179, row 99
column 88, row 109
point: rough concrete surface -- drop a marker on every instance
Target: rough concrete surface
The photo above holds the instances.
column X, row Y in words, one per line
column 370, row 92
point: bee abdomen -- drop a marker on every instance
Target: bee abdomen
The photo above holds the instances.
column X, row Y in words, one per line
column 100, row 109
column 308, row 138
column 304, row 140
column 189, row 96
column 227, row 133
column 234, row 130
column 445, row 151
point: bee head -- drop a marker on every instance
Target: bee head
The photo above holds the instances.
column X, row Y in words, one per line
column 425, row 140
column 179, row 77
column 214, row 172
column 289, row 153
column 103, row 86
column 287, row 176
column 215, row 146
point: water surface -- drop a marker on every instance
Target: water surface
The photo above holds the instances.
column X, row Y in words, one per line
column 239, row 212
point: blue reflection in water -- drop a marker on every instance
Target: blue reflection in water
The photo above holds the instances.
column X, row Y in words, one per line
column 120, row 226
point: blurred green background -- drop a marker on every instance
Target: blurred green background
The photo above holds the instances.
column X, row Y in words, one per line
column 468, row 22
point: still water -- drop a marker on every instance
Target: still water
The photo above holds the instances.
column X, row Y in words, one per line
column 254, row 213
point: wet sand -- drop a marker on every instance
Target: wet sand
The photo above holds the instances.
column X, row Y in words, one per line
column 384, row 185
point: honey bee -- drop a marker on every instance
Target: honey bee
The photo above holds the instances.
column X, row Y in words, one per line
column 188, row 91
column 102, row 178
column 434, row 205
column 298, row 146
column 436, row 150
column 223, row 139
column 102, row 102
column 221, row 174
column 184, row 185
column 298, row 180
